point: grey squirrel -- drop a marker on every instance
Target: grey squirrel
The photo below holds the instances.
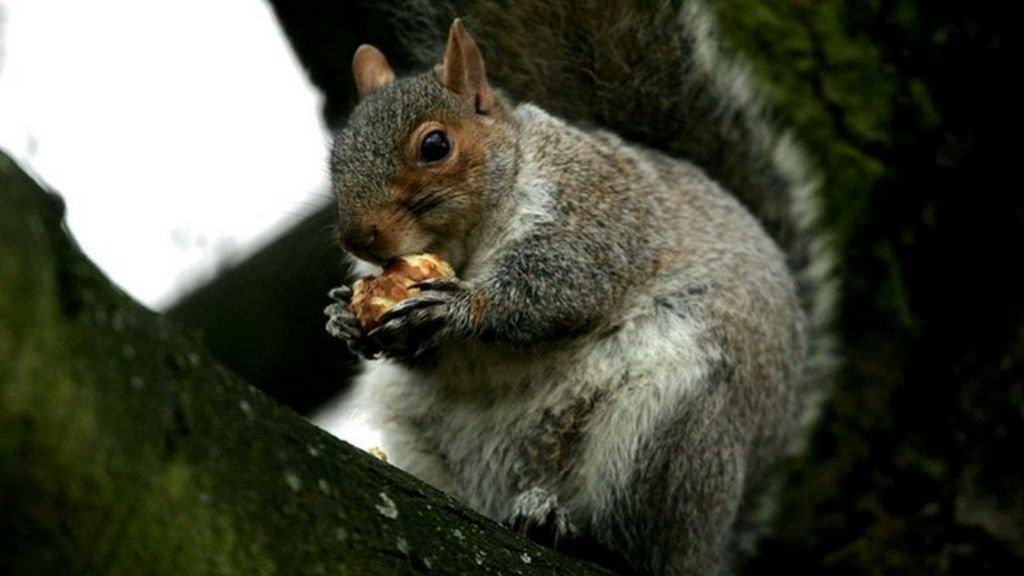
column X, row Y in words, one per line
column 637, row 331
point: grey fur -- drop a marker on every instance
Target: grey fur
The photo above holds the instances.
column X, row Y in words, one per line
column 625, row 356
column 654, row 72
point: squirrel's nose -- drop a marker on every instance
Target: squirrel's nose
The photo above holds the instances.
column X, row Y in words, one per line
column 358, row 239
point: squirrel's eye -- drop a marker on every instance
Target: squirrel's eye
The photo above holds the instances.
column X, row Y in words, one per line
column 435, row 146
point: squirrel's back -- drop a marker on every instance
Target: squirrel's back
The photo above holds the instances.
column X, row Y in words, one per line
column 655, row 74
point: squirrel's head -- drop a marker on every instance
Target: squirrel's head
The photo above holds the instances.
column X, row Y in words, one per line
column 420, row 157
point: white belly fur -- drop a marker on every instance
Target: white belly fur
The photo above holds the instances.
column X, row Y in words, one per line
column 467, row 426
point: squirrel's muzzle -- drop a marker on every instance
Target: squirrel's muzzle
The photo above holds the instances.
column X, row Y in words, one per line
column 378, row 234
column 360, row 241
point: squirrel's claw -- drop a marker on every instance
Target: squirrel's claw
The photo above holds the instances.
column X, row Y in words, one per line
column 342, row 324
column 441, row 285
column 415, row 325
column 537, row 514
column 406, row 331
column 417, row 329
column 406, row 307
column 342, row 294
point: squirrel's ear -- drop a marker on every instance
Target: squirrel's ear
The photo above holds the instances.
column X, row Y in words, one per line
column 463, row 70
column 371, row 70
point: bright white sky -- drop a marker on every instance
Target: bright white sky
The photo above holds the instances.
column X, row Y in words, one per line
column 181, row 134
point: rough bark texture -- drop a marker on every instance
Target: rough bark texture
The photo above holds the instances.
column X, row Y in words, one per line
column 916, row 466
column 915, row 123
column 126, row 449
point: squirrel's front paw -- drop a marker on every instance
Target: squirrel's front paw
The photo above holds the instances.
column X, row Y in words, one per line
column 537, row 514
column 342, row 324
column 420, row 323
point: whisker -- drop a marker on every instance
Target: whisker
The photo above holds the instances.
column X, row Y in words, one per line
column 427, row 203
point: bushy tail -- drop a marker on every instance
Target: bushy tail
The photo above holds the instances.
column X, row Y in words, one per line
column 652, row 71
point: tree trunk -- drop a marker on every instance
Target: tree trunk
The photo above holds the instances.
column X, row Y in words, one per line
column 125, row 448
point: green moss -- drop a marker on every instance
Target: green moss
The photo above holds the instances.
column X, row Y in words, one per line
column 176, row 528
column 108, row 507
column 906, row 111
column 831, row 84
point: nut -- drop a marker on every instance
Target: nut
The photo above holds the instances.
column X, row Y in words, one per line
column 372, row 296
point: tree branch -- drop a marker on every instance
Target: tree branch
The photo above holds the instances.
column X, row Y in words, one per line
column 126, row 449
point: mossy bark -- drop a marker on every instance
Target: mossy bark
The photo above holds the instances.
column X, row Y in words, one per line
column 126, row 449
column 915, row 130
